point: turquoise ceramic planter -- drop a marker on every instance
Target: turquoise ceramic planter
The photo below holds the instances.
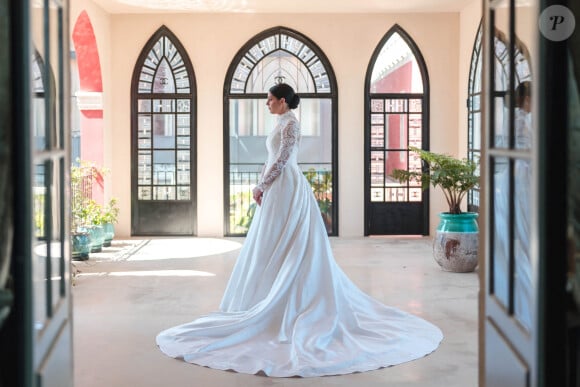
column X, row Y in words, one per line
column 464, row 222
column 109, row 229
column 456, row 242
column 81, row 246
column 97, row 235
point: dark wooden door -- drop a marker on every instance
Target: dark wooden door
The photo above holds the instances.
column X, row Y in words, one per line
column 525, row 318
column 36, row 340
column 163, row 139
column 396, row 117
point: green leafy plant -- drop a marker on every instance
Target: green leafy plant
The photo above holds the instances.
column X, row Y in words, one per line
column 84, row 210
column 110, row 212
column 454, row 176
column 321, row 183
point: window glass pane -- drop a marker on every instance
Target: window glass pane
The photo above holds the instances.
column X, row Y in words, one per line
column 416, row 130
column 144, row 131
column 396, row 69
column 396, row 131
column 164, row 70
column 377, row 106
column 183, row 124
column 164, row 193
column 377, row 169
column 144, row 106
column 163, row 167
column 164, row 131
column 377, row 136
column 501, row 124
column 396, row 194
column 145, row 193
column 377, row 194
column 415, row 105
column 145, row 169
column 395, row 105
column 280, row 58
column 523, row 207
column 55, row 45
column 415, row 195
column 183, row 105
column 500, row 227
column 394, row 160
column 183, row 142
column 280, row 66
column 38, row 115
column 55, row 212
column 183, row 193
column 523, row 269
column 39, row 261
column 250, row 117
column 164, row 82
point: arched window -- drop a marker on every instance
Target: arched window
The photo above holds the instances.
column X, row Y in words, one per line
column 163, row 139
column 278, row 55
column 502, row 69
column 474, row 116
column 396, row 117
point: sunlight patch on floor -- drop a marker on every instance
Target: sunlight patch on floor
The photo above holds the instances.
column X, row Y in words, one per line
column 171, row 248
column 150, row 273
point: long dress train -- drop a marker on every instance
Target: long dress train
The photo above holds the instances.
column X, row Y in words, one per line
column 288, row 309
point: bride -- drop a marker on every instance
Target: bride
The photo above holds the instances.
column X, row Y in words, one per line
column 288, row 309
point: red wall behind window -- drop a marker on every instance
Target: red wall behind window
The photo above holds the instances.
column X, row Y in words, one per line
column 89, row 70
column 396, row 81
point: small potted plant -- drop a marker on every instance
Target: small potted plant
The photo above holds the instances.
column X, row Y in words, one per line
column 456, row 242
column 110, row 214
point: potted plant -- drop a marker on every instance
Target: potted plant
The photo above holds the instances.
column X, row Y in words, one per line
column 87, row 215
column 456, row 241
column 93, row 220
column 81, row 243
column 110, row 214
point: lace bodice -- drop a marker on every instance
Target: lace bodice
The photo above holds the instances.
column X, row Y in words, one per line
column 282, row 144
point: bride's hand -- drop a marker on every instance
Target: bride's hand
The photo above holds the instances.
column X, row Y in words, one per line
column 258, row 193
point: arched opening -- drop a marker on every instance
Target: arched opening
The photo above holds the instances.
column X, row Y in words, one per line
column 279, row 55
column 396, row 117
column 163, row 139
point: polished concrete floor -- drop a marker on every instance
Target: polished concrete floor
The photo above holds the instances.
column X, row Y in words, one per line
column 132, row 290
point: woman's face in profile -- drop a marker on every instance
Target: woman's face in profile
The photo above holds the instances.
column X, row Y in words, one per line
column 275, row 105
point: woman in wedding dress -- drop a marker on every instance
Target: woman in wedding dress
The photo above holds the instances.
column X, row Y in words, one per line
column 288, row 309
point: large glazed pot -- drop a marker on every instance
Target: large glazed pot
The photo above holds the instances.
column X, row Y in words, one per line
column 456, row 242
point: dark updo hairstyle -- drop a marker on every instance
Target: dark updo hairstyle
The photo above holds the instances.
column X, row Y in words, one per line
column 282, row 90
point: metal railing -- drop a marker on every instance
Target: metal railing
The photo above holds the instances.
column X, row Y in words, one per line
column 242, row 205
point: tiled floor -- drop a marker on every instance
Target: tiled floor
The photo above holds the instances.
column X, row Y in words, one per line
column 124, row 296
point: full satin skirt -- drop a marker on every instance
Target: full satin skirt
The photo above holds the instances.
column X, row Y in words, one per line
column 289, row 310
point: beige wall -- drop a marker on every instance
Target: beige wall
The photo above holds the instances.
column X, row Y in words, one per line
column 348, row 41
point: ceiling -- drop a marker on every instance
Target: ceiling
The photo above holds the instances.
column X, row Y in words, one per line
column 284, row 6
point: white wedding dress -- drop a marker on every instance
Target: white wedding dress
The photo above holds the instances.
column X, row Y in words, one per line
column 288, row 309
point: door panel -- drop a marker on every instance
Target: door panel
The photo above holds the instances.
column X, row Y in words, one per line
column 50, row 372
column 397, row 218
column 511, row 153
column 504, row 368
column 159, row 218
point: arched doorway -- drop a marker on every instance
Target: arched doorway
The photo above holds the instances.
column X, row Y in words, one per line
column 396, row 117
column 163, row 139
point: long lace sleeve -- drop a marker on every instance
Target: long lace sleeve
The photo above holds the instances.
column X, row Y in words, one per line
column 289, row 139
